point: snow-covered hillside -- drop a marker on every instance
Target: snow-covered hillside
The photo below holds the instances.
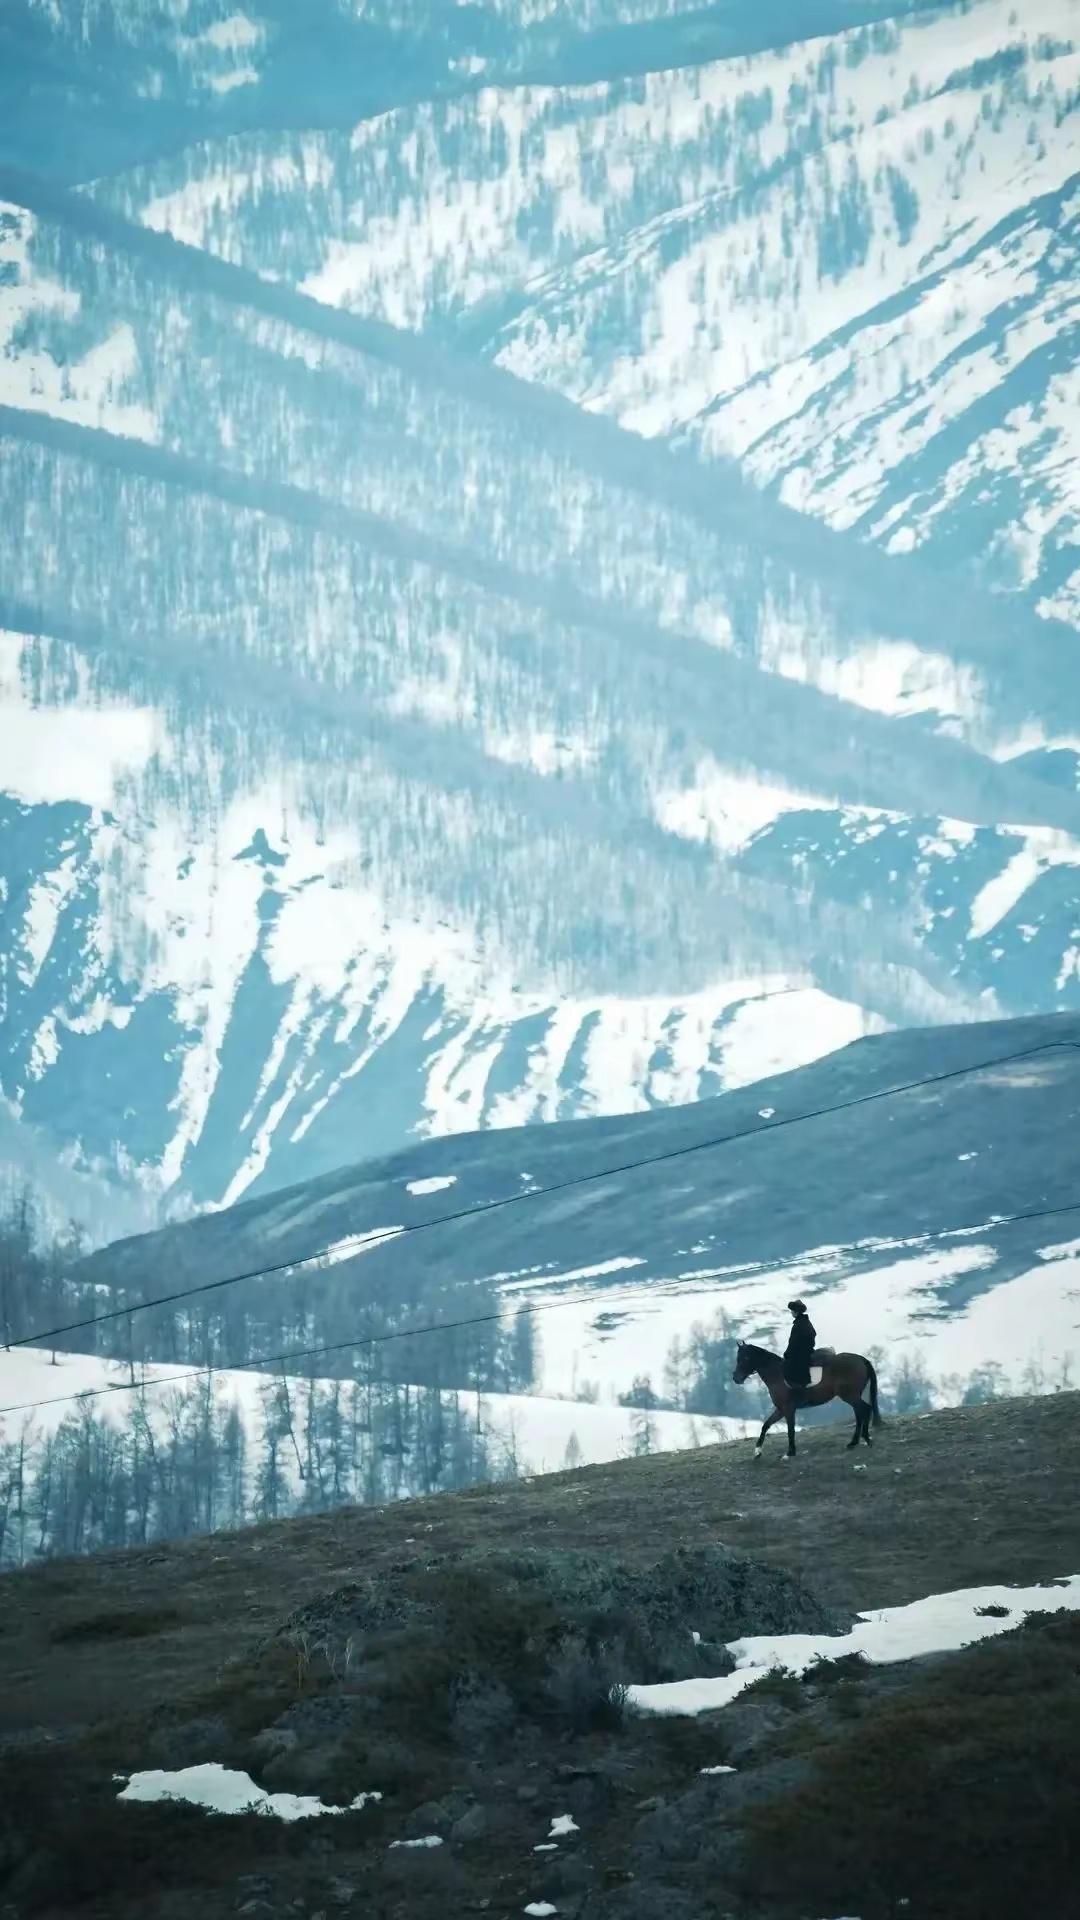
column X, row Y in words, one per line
column 421, row 707
column 523, row 1433
column 849, row 263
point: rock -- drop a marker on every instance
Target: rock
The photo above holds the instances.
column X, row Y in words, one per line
column 306, row 1769
column 588, row 1797
column 473, row 1825
column 737, row 1790
column 13, row 1850
column 643, row 1616
column 188, row 1743
column 325, row 1716
column 571, row 1872
column 749, row 1726
column 26, row 1881
column 721, row 1854
column 271, row 1742
column 670, row 1833
column 435, row 1817
column 647, row 1902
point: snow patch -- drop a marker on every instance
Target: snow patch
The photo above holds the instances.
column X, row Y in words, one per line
column 728, row 809
column 942, row 1623
column 1041, row 848
column 236, row 77
column 70, row 753
column 219, row 1789
column 600, row 1271
column 352, row 1245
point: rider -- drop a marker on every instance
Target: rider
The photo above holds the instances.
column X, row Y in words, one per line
column 799, row 1349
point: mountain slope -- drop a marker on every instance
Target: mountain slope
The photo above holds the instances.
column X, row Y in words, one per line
column 848, row 263
column 185, row 1654
column 887, row 1203
column 393, row 746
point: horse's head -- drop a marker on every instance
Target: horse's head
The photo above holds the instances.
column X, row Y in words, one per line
column 744, row 1364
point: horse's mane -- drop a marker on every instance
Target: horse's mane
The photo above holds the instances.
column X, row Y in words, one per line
column 760, row 1353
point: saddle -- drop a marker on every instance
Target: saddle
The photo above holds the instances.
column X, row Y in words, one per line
column 818, row 1360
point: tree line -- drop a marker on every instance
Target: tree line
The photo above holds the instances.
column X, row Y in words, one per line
column 697, row 1378
column 190, row 1459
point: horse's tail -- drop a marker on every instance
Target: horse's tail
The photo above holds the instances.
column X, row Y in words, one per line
column 875, row 1409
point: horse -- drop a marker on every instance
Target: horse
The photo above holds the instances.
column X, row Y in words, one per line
column 844, row 1376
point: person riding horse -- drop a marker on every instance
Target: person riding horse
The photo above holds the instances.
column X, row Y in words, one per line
column 800, row 1349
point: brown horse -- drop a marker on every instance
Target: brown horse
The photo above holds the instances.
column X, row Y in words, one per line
column 844, row 1376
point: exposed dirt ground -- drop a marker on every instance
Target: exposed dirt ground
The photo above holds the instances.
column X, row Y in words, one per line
column 98, row 1654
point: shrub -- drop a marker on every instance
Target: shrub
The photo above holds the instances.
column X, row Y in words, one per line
column 779, row 1685
column 139, row 1625
column 956, row 1793
column 824, row 1672
column 584, row 1687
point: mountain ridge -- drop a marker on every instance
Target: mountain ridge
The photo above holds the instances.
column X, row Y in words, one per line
column 418, row 748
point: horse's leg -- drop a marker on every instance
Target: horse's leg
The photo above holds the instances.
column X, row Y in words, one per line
column 790, row 1431
column 770, row 1422
column 865, row 1406
column 856, row 1408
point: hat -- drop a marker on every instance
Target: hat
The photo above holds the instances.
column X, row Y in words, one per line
column 796, row 1306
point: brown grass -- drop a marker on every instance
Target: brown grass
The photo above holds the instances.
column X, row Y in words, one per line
column 956, row 1795
column 907, row 1782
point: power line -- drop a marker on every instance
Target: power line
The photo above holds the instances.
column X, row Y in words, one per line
column 271, row 1361
column 45, row 1336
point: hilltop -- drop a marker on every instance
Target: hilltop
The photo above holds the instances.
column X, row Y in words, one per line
column 171, row 1656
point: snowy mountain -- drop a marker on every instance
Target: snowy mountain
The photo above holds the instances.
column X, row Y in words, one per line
column 849, row 264
column 538, row 579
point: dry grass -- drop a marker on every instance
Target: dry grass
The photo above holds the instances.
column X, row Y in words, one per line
column 951, row 1499
column 955, row 1796
column 906, row 1782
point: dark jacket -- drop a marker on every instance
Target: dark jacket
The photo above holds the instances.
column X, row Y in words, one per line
column 798, row 1351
